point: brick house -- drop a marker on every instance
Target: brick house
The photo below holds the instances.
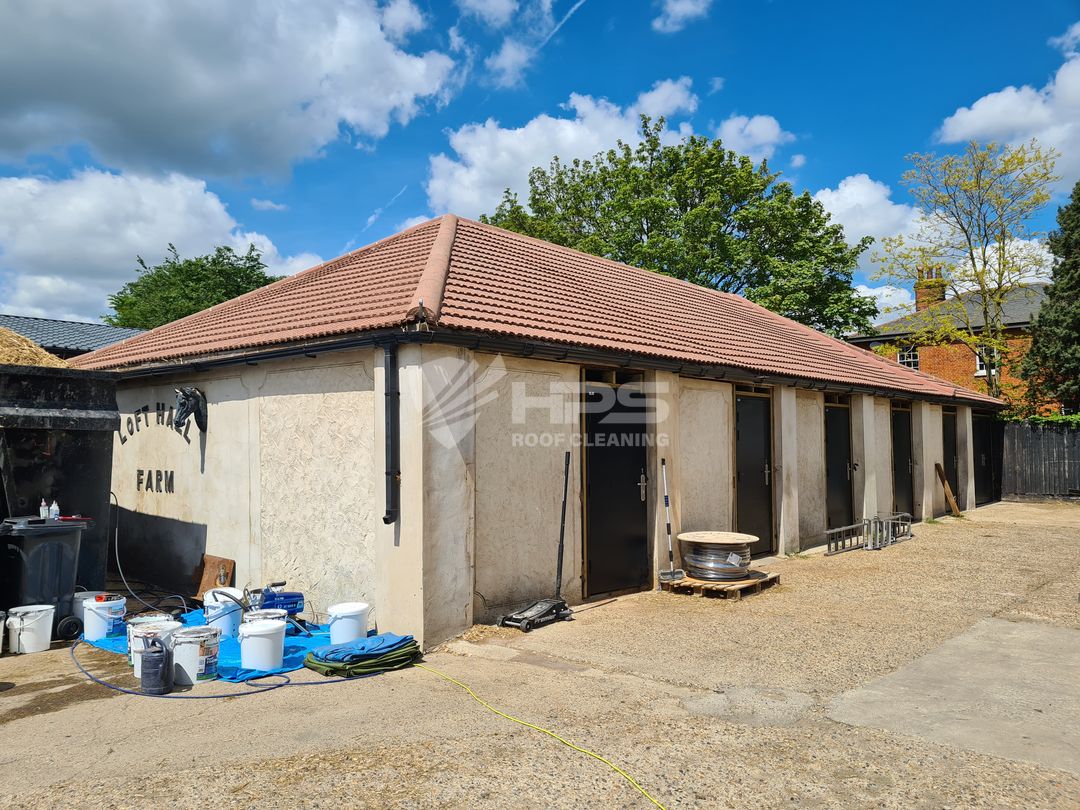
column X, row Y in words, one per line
column 956, row 362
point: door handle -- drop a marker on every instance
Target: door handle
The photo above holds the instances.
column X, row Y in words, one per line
column 910, row 466
column 643, row 485
column 768, row 472
column 849, row 471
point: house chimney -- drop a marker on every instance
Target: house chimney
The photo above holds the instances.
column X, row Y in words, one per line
column 930, row 287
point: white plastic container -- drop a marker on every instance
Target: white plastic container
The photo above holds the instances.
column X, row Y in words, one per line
column 223, row 615
column 78, row 608
column 348, row 621
column 138, row 621
column 262, row 644
column 140, row 635
column 195, row 654
column 104, row 619
column 30, row 628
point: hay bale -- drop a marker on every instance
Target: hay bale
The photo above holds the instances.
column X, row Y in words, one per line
column 16, row 350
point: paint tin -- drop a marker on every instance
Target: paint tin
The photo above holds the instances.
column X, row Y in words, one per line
column 195, row 654
column 141, row 619
column 139, row 639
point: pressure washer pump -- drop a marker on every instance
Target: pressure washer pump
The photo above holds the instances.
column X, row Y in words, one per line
column 275, row 596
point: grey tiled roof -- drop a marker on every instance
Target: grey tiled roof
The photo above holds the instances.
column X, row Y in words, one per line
column 1020, row 307
column 70, row 336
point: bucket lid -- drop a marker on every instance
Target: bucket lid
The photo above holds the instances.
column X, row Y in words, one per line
column 262, row 627
column 196, row 633
column 265, row 613
column 216, row 595
column 348, row 609
column 152, row 629
column 79, row 595
column 144, row 618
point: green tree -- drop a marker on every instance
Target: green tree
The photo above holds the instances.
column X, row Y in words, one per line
column 1051, row 367
column 973, row 244
column 704, row 214
column 179, row 287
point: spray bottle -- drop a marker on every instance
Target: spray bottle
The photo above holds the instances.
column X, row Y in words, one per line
column 54, row 511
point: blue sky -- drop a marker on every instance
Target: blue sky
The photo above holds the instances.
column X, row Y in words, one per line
column 314, row 128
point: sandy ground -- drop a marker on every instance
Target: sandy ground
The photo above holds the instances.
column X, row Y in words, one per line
column 707, row 703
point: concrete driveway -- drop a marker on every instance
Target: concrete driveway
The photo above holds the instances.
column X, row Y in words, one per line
column 938, row 673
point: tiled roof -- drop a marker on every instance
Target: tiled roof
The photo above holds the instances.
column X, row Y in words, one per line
column 1019, row 308
column 69, row 336
column 464, row 275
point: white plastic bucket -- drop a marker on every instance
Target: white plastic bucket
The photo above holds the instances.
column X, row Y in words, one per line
column 137, row 621
column 78, row 608
column 348, row 621
column 139, row 638
column 195, row 654
column 223, row 615
column 30, row 628
column 104, row 619
column 275, row 614
column 262, row 644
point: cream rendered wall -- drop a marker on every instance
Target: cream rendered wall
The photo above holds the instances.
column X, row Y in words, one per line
column 283, row 481
column 317, row 504
column 883, row 462
column 813, row 519
column 705, row 461
column 527, row 416
column 927, row 450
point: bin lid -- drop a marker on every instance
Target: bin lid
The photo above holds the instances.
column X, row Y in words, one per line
column 28, row 524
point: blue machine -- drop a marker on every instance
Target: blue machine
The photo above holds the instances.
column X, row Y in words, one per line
column 274, row 596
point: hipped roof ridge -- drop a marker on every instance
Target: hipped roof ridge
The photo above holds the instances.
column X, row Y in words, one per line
column 428, row 299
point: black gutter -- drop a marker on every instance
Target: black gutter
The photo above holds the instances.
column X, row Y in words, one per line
column 537, row 350
column 392, row 435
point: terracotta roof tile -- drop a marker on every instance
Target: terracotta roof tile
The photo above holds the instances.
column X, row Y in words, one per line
column 486, row 279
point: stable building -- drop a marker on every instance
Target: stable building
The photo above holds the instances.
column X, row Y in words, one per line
column 391, row 426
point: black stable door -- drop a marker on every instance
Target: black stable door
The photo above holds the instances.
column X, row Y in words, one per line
column 616, row 491
column 753, row 471
column 903, row 498
column 982, row 429
column 949, row 454
column 838, row 466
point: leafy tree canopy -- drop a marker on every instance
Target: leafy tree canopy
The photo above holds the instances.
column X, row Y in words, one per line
column 180, row 287
column 1051, row 367
column 704, row 214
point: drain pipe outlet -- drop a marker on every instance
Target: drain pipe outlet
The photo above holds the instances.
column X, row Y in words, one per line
column 391, row 435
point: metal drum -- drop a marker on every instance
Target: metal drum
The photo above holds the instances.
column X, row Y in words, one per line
column 716, row 556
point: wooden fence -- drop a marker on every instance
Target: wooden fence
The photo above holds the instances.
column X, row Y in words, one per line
column 1041, row 460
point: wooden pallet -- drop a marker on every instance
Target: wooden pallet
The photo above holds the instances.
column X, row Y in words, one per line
column 734, row 589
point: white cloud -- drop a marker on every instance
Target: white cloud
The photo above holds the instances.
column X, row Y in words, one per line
column 65, row 245
column 521, row 48
column 223, row 88
column 267, row 205
column 675, row 15
column 411, row 221
column 508, row 64
column 716, row 84
column 400, row 18
column 798, row 161
column 756, row 136
column 1067, row 43
column 1051, row 114
column 493, row 13
column 892, row 301
column 863, row 206
column 489, row 158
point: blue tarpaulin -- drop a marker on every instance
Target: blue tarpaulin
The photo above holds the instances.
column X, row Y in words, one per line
column 296, row 649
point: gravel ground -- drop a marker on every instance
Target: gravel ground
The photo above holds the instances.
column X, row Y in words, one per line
column 707, row 703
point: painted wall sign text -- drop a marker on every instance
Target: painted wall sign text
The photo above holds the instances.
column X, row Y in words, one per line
column 141, row 419
column 155, row 481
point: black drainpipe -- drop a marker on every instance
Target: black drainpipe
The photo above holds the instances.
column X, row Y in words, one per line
column 392, row 438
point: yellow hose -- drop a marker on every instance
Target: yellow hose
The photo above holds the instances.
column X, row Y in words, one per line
column 550, row 733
